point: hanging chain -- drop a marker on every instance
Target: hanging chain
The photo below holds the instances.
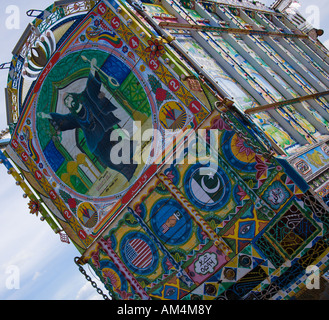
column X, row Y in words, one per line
column 88, row 278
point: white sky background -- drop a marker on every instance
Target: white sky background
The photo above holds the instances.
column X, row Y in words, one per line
column 44, row 264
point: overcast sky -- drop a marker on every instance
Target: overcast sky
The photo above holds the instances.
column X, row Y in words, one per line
column 28, row 246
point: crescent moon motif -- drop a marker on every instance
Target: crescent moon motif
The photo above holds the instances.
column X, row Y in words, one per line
column 208, row 190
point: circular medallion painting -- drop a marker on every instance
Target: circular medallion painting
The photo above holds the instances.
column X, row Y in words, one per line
column 139, row 253
column 90, row 106
column 87, row 214
column 207, row 191
column 170, row 222
column 172, row 116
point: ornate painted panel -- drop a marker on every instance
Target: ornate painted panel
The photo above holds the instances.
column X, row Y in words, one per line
column 104, row 78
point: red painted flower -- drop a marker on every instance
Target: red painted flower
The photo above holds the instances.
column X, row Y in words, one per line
column 156, row 49
column 160, row 94
column 72, row 203
column 34, row 207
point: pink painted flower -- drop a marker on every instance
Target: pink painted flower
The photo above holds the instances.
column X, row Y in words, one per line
column 261, row 167
column 170, row 175
column 241, row 193
column 110, row 277
column 124, row 295
column 243, row 147
column 95, row 259
column 160, row 94
column 109, row 242
column 168, row 264
column 220, row 124
column 204, row 235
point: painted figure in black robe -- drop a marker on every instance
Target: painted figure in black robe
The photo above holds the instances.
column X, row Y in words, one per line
column 91, row 111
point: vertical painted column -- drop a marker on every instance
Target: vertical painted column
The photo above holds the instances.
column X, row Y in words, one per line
column 277, row 86
column 299, row 107
column 318, row 59
column 270, row 26
column 316, row 85
column 223, row 16
column 304, row 61
column 309, row 43
column 243, row 82
column 287, row 27
column 276, row 68
column 322, row 54
column 250, row 21
column 321, row 61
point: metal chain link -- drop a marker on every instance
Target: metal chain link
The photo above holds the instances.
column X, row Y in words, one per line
column 88, row 278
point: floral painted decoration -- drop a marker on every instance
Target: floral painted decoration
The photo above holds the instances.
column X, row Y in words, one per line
column 160, row 94
column 155, row 48
column 34, row 207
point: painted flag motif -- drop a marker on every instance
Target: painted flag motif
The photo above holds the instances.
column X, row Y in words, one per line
column 207, row 189
column 139, row 253
column 164, row 228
